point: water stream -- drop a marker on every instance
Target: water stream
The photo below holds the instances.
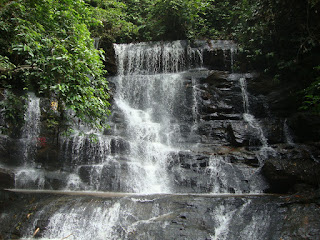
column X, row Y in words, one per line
column 27, row 175
column 265, row 150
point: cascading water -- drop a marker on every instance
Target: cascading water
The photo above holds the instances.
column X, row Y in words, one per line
column 158, row 141
column 27, row 176
column 287, row 133
column 251, row 120
column 31, row 129
column 249, row 117
column 150, row 92
column 158, row 92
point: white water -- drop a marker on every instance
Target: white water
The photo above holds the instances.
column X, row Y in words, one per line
column 31, row 129
column 148, row 100
column 106, row 219
column 157, row 98
column 27, row 176
column 249, row 118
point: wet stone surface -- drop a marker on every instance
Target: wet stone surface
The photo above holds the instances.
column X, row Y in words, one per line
column 159, row 217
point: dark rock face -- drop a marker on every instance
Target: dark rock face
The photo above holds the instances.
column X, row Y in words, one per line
column 110, row 62
column 6, row 179
column 282, row 104
column 306, row 127
column 220, row 107
column 292, row 166
column 297, row 163
column 10, row 151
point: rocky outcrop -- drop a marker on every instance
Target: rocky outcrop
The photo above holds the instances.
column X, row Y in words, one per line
column 305, row 126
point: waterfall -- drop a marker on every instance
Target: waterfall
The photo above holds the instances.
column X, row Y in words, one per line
column 249, row 118
column 150, row 90
column 159, row 140
column 158, row 95
column 27, row 176
column 31, row 129
column 252, row 121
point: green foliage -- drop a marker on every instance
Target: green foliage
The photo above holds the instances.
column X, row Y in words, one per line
column 51, row 46
column 174, row 19
column 312, row 95
column 113, row 17
column 5, row 66
column 47, row 45
column 165, row 20
column 282, row 38
column 12, row 110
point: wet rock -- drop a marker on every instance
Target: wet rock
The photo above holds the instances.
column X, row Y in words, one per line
column 163, row 217
column 55, row 183
column 217, row 59
column 110, row 60
column 88, row 174
column 291, row 167
column 48, row 157
column 281, row 99
column 119, row 146
column 273, row 129
column 216, row 78
column 111, row 176
column 219, row 98
column 241, row 133
column 10, row 151
column 4, row 151
column 117, row 117
column 6, row 178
